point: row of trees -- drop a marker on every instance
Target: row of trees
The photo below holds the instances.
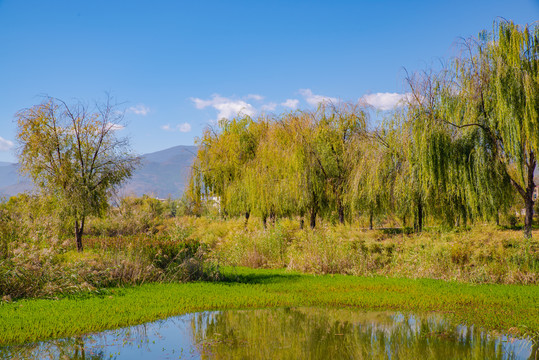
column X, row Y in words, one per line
column 297, row 164
column 460, row 148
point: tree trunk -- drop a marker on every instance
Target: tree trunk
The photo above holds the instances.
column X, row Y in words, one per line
column 528, row 197
column 371, row 218
column 272, row 217
column 535, row 350
column 529, row 217
column 301, row 223
column 313, row 218
column 264, row 221
column 78, row 234
column 340, row 209
column 464, row 216
column 247, row 215
column 419, row 217
column 80, row 352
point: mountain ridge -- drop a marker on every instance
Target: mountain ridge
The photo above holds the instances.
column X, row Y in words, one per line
column 164, row 173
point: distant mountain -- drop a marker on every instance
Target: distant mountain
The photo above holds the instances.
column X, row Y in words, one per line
column 11, row 182
column 161, row 174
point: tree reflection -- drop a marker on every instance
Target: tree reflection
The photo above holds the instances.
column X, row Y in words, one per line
column 75, row 348
column 341, row 334
column 291, row 333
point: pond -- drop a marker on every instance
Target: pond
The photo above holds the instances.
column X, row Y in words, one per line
column 286, row 333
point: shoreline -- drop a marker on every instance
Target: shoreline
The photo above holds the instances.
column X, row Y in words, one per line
column 504, row 308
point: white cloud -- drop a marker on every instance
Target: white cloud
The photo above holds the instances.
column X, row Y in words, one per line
column 269, row 107
column 201, row 104
column 185, row 127
column 255, row 97
column 384, row 101
column 115, row 127
column 5, row 145
column 291, row 103
column 227, row 108
column 139, row 109
column 314, row 99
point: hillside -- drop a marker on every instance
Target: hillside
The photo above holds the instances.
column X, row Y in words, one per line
column 161, row 174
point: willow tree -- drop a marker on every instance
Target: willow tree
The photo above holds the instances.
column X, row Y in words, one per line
column 74, row 155
column 388, row 177
column 298, row 130
column 325, row 143
column 454, row 159
column 239, row 191
column 514, row 56
column 426, row 149
column 371, row 182
column 492, row 99
column 220, row 162
column 275, row 176
column 339, row 130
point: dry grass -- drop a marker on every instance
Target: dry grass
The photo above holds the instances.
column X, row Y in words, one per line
column 52, row 269
column 484, row 254
column 192, row 248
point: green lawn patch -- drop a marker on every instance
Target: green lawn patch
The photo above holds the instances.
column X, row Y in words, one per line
column 496, row 307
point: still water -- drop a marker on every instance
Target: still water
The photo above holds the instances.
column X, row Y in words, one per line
column 289, row 333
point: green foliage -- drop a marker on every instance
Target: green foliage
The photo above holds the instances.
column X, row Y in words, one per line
column 459, row 150
column 220, row 158
column 294, row 164
column 476, row 125
column 74, row 155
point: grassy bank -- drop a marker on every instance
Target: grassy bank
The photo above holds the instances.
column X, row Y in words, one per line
column 481, row 254
column 501, row 307
column 143, row 242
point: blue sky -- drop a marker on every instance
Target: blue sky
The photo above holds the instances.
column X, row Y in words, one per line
column 179, row 65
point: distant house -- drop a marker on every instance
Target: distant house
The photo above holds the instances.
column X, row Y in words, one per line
column 214, row 201
column 534, row 197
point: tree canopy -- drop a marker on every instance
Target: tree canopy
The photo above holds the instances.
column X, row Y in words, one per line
column 72, row 153
column 477, row 121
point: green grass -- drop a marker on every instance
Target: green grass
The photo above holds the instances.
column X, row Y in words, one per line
column 496, row 307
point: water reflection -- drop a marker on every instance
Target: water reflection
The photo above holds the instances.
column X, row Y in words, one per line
column 343, row 334
column 291, row 333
